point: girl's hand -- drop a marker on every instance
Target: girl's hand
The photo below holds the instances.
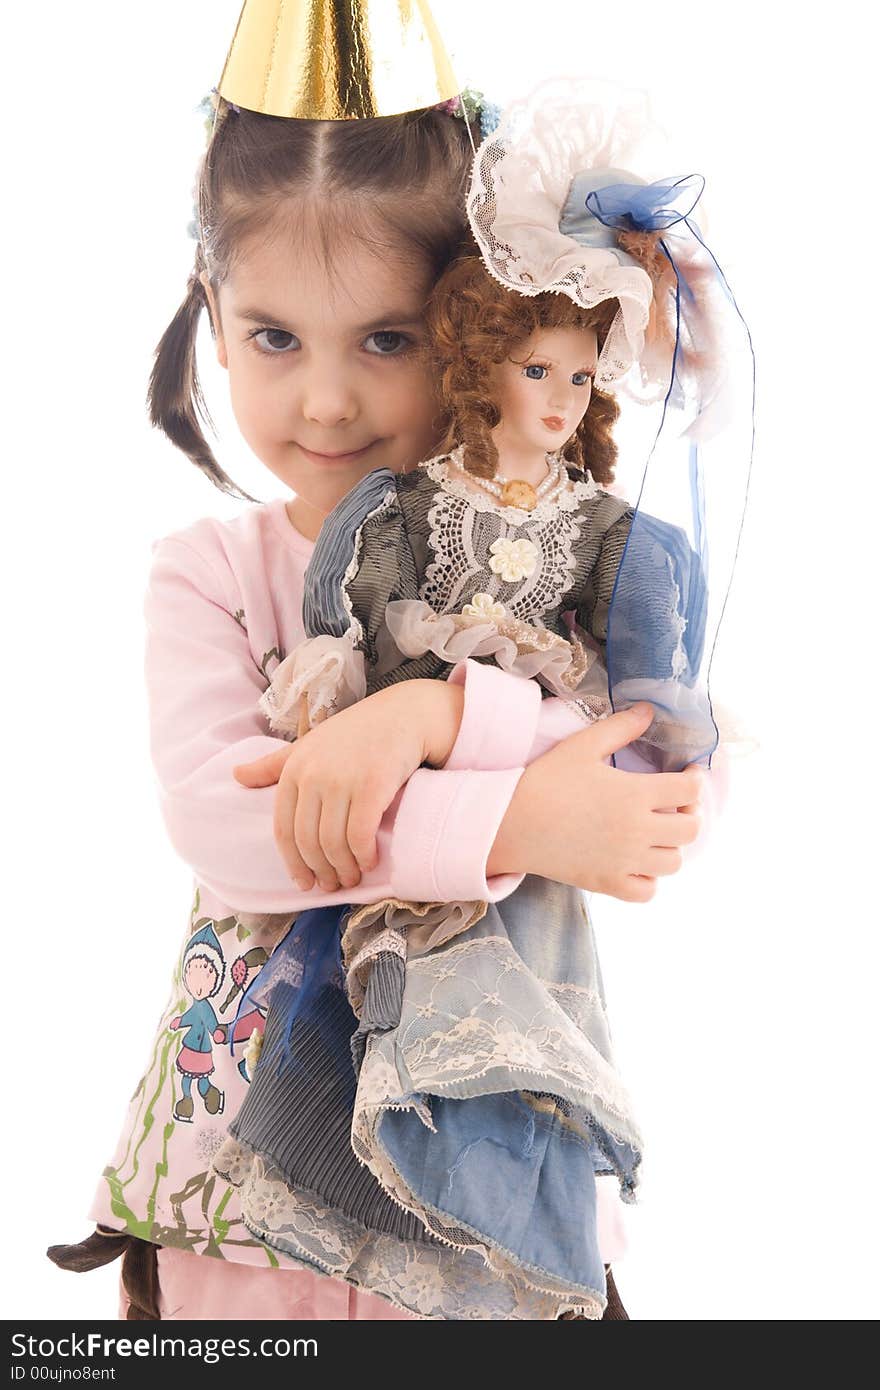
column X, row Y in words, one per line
column 337, row 781
column 575, row 819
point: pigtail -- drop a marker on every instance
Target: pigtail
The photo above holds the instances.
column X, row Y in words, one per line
column 175, row 401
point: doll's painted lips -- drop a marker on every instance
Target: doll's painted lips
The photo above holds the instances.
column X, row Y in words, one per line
column 336, row 458
column 553, row 422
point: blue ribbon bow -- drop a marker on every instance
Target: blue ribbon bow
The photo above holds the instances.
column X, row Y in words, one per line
column 646, row 207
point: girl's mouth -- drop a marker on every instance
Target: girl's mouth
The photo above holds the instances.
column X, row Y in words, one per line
column 343, row 458
column 553, row 422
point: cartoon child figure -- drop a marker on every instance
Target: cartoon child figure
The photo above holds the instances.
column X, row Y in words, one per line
column 203, row 972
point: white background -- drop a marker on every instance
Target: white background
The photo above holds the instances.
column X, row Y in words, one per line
column 743, row 997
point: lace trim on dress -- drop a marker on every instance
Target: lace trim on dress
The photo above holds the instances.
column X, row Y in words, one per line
column 456, row 1280
column 474, row 1021
column 566, row 501
column 402, row 928
column 517, row 1026
column 564, row 665
column 426, row 925
column 391, row 941
column 329, row 671
column 461, row 546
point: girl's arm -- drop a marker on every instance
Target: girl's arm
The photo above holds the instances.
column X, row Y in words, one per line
column 489, row 736
column 571, row 817
column 203, row 685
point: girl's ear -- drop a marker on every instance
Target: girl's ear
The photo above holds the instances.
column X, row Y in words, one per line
column 216, row 325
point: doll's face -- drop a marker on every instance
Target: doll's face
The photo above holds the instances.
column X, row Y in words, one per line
column 543, row 390
column 325, row 376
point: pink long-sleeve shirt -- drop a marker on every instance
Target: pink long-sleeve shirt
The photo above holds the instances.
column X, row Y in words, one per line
column 223, row 607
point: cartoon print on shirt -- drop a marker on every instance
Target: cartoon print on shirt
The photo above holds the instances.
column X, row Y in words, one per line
column 197, row 1213
column 254, row 1020
column 278, row 654
column 202, row 973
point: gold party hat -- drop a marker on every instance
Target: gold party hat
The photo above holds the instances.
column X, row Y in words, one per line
column 336, row 60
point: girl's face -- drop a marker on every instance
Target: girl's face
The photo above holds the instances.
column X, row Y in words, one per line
column 325, row 380
column 543, row 390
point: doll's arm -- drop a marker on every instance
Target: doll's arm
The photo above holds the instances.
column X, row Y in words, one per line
column 203, row 684
column 661, row 598
column 610, row 525
column 362, row 560
column 655, row 578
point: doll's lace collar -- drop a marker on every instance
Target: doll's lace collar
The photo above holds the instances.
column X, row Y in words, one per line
column 443, row 471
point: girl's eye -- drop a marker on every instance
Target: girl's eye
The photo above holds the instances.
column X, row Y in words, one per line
column 390, row 343
column 277, row 348
column 534, row 367
column 278, row 342
column 581, row 378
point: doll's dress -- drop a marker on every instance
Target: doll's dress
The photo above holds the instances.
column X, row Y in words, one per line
column 455, row 1172
column 415, row 572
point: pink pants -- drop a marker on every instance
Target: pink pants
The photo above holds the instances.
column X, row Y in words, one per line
column 199, row 1287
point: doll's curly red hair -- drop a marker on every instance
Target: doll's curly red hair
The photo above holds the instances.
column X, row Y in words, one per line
column 473, row 324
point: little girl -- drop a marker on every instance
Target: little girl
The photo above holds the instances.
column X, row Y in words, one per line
column 325, row 385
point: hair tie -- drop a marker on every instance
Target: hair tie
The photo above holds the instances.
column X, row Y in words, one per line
column 472, row 105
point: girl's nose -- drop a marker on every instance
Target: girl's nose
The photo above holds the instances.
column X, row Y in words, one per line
column 328, row 403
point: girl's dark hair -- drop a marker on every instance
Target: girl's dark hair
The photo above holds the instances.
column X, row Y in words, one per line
column 397, row 182
column 473, row 324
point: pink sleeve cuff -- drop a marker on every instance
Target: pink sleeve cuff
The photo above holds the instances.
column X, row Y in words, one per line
column 448, row 818
column 499, row 719
column 446, row 825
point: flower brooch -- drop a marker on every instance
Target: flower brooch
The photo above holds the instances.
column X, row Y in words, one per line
column 513, row 560
column 484, row 606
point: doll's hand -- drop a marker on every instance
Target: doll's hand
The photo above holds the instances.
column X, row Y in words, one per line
column 336, row 783
column 575, row 819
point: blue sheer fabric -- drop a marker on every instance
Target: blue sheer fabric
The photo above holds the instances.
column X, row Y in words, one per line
column 308, row 957
column 695, row 480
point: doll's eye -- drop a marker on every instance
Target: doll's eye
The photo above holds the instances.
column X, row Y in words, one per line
column 535, row 367
column 581, row 378
column 275, row 348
